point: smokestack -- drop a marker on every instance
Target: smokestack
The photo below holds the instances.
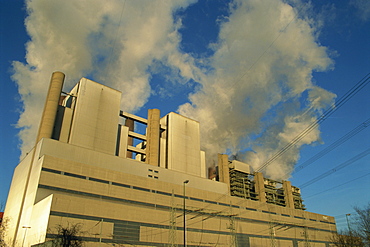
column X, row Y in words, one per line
column 223, row 169
column 260, row 186
column 288, row 194
column 51, row 106
column 153, row 137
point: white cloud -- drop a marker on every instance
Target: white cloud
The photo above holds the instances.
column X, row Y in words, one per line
column 263, row 64
column 253, row 94
column 113, row 41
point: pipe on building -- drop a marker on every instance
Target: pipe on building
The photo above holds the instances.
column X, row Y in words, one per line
column 260, row 186
column 153, row 137
column 288, row 194
column 51, row 106
column 223, row 169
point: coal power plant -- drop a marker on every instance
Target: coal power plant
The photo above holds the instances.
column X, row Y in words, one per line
column 127, row 180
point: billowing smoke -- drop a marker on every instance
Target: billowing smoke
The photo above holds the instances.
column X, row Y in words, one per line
column 260, row 93
column 114, row 42
column 254, row 94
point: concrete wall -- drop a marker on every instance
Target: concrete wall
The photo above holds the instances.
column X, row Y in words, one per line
column 95, row 119
column 15, row 196
column 80, row 185
column 183, row 144
column 80, row 155
column 89, row 187
column 22, row 195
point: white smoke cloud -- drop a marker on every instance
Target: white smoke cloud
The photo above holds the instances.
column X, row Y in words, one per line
column 255, row 98
column 257, row 92
column 112, row 41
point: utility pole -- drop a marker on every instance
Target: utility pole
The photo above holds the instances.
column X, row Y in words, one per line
column 172, row 236
column 306, row 236
column 272, row 235
column 233, row 240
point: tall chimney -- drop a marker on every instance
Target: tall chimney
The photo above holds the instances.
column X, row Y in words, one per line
column 153, row 137
column 51, row 106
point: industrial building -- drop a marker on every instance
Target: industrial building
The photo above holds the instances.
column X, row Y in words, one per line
column 90, row 166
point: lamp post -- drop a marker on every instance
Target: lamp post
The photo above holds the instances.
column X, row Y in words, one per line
column 349, row 228
column 25, row 233
column 184, row 209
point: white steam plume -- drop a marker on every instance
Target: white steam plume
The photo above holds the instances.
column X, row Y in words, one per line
column 255, row 96
column 112, row 41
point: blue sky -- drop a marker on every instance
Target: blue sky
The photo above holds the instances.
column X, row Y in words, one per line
column 253, row 73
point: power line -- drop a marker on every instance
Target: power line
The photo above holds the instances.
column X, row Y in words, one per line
column 115, row 38
column 335, row 187
column 337, row 168
column 353, row 91
column 220, row 213
column 334, row 145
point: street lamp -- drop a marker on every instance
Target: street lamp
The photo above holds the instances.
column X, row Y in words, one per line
column 349, row 228
column 184, row 209
column 25, row 233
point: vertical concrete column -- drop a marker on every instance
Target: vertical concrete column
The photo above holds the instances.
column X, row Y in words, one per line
column 45, row 131
column 288, row 194
column 260, row 186
column 130, row 141
column 153, row 137
column 223, row 169
column 51, row 106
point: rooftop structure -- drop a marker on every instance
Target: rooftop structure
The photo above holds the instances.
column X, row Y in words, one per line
column 91, row 167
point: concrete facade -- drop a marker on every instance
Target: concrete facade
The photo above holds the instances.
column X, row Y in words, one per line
column 86, row 174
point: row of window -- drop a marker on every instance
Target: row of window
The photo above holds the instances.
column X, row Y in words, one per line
column 129, row 232
column 163, row 193
column 146, row 204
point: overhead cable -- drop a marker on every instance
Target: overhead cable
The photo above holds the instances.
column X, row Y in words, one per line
column 334, row 145
column 335, row 187
column 337, row 168
column 335, row 106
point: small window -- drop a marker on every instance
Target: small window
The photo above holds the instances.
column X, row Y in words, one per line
column 140, row 188
column 164, row 193
column 252, row 209
column 196, row 199
column 99, row 180
column 210, row 202
column 121, row 185
column 51, row 170
column 74, row 175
